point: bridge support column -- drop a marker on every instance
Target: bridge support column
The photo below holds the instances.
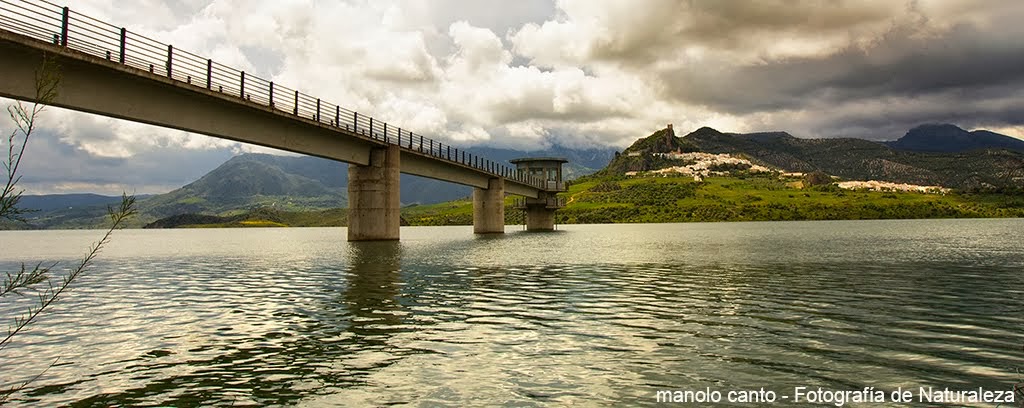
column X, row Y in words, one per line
column 373, row 198
column 489, row 208
column 539, row 215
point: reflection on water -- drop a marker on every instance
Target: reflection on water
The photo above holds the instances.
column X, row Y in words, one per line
column 590, row 315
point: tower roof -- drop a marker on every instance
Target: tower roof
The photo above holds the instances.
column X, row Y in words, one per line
column 539, row 159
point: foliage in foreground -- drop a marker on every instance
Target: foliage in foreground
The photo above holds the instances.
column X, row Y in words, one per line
column 27, row 281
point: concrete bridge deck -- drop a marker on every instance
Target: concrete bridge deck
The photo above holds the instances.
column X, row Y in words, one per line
column 109, row 71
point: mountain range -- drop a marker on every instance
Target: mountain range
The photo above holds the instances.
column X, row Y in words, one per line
column 942, row 155
column 285, row 183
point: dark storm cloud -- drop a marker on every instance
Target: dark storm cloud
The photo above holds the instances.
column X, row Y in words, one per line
column 968, row 74
column 890, row 119
column 51, row 165
column 963, row 59
column 644, row 32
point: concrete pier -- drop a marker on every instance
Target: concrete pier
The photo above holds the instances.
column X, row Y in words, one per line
column 540, row 215
column 373, row 197
column 489, row 208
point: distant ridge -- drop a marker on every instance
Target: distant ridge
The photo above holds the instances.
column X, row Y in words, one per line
column 949, row 138
column 52, row 202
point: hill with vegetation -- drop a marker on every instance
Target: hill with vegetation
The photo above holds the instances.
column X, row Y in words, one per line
column 740, row 197
column 854, row 159
column 774, row 176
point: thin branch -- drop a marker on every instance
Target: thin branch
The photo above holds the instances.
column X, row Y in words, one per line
column 51, row 294
column 47, row 81
column 5, row 394
column 13, row 284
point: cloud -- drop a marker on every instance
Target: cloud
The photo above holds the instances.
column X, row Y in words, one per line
column 590, row 72
column 52, row 165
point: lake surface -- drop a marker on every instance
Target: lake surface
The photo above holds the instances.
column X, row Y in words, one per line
column 589, row 315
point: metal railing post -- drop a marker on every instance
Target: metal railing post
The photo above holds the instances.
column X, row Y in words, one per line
column 209, row 73
column 385, row 131
column 355, row 121
column 64, row 27
column 371, row 128
column 124, row 38
column 170, row 59
column 337, row 115
column 296, row 110
column 271, row 93
column 241, row 86
column 318, row 110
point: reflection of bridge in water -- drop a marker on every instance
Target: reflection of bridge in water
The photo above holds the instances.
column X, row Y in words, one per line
column 110, row 71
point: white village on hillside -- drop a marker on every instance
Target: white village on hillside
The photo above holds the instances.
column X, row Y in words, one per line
column 701, row 165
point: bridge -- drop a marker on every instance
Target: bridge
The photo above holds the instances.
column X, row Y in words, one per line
column 110, row 71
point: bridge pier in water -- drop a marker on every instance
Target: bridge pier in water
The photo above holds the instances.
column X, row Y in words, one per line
column 489, row 208
column 373, row 196
column 540, row 212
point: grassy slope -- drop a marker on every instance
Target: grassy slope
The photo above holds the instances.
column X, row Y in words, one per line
column 273, row 218
column 751, row 198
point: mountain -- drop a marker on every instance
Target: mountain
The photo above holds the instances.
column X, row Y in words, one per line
column 640, row 156
column 853, row 159
column 251, row 181
column 952, row 139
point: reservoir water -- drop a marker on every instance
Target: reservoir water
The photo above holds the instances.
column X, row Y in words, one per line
column 602, row 315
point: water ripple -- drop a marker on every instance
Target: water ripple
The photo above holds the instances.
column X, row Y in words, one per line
column 227, row 318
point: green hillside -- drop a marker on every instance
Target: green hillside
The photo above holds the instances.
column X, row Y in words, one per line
column 986, row 169
column 987, row 183
column 740, row 198
column 988, row 180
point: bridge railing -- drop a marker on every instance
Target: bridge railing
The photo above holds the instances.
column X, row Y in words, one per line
column 46, row 21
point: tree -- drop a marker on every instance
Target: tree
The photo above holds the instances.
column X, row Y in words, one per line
column 28, row 280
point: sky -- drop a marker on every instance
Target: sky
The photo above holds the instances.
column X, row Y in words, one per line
column 528, row 73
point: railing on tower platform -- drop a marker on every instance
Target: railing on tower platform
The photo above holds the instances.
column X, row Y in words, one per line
column 521, row 203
